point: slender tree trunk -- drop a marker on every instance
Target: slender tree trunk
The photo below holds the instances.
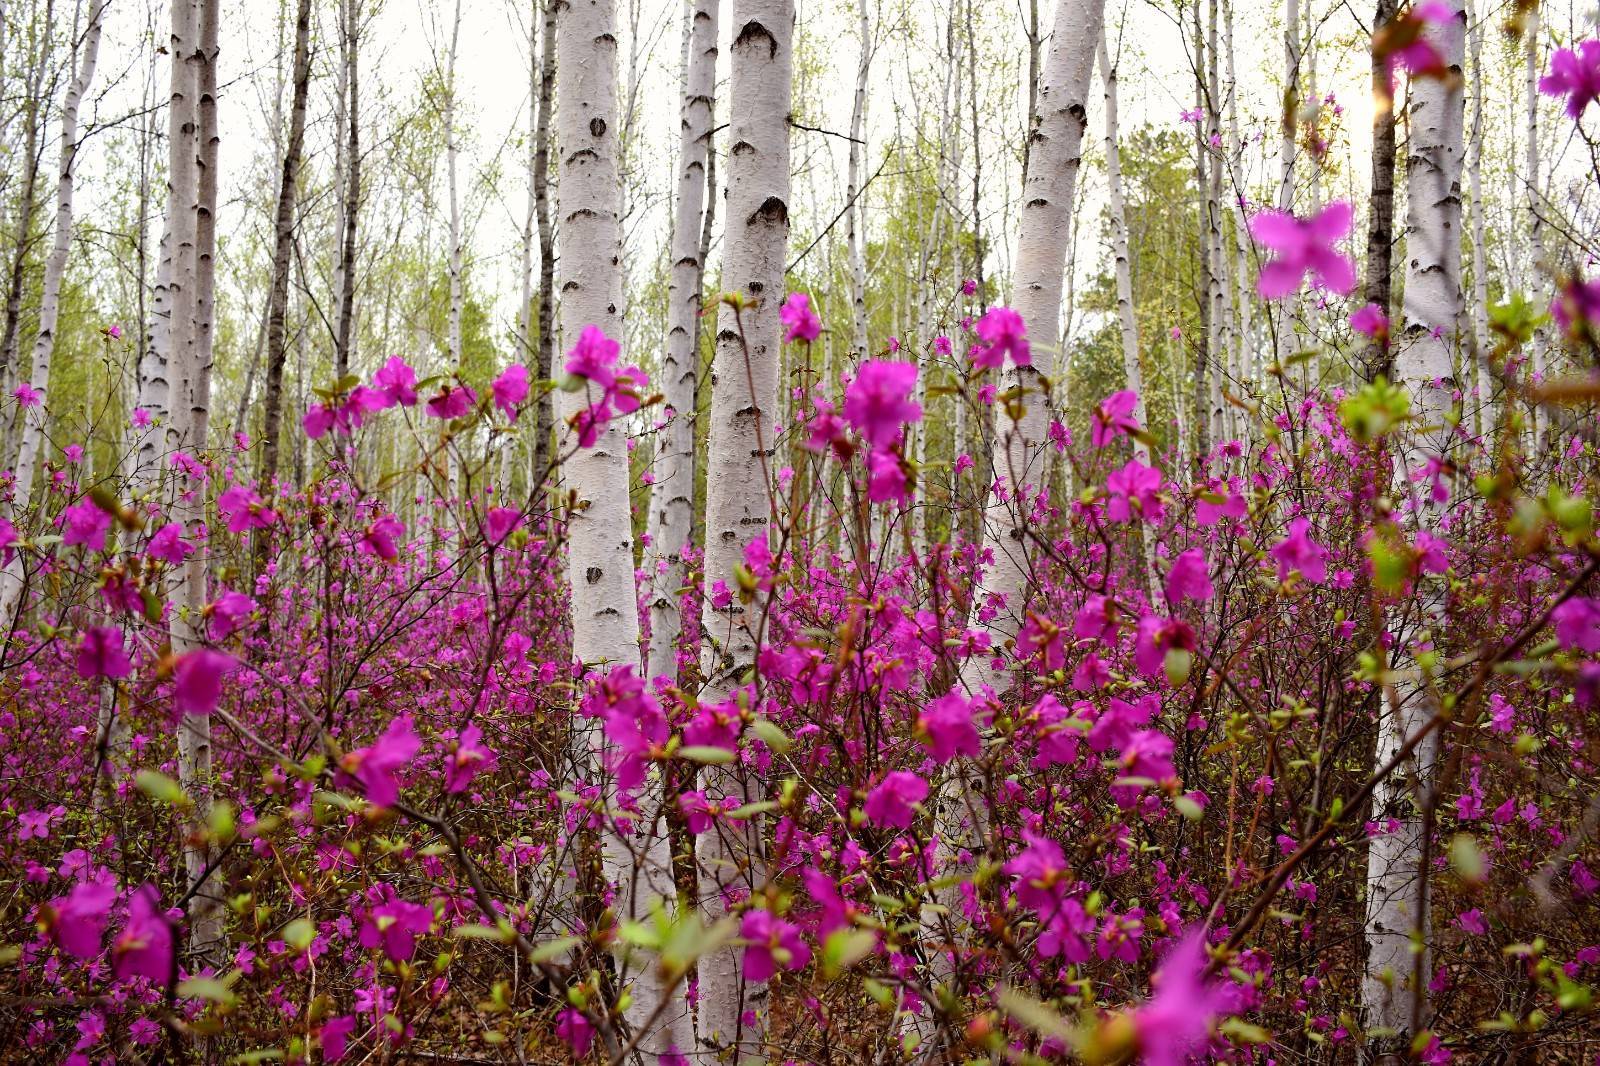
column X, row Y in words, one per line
column 543, row 426
column 1206, row 345
column 1040, row 272
column 855, row 210
column 452, row 151
column 55, row 268
column 605, row 619
column 1132, row 371
column 344, row 337
column 283, row 249
column 1219, row 337
column 1533, row 199
column 672, row 496
column 1380, row 206
column 744, row 397
column 27, row 209
column 1243, row 355
column 1394, row 992
column 1479, row 311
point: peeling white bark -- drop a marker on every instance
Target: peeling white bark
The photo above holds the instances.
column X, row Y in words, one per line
column 672, row 496
column 1396, row 878
column 744, row 398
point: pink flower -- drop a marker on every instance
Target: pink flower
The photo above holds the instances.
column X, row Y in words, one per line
column 394, row 926
column 887, row 482
column 197, row 680
column 1304, row 247
column 8, row 542
column 889, row 805
column 593, row 359
column 1040, row 870
column 228, row 614
column 318, row 421
column 1371, row 321
column 245, row 510
column 86, row 524
column 377, row 766
column 452, row 401
column 510, row 389
column 382, row 538
column 1574, row 74
column 140, row 419
column 1156, row 637
column 698, row 812
column 1471, row 921
column 27, row 395
column 946, row 726
column 466, row 757
column 335, row 1037
column 114, row 332
column 397, row 381
column 1577, row 305
column 826, row 429
column 803, row 323
column 1094, row 620
column 1002, row 332
column 878, row 402
column 500, row 522
column 772, row 944
column 969, row 287
column 575, row 1029
column 1175, row 1024
column 824, row 892
column 1188, row 578
column 1135, row 494
column 1577, row 624
column 1112, row 418
column 102, row 655
column 77, row 921
column 1298, row 551
column 144, row 946
column 169, row 546
column 1403, row 44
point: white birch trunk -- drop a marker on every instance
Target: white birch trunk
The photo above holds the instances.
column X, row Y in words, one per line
column 1131, row 368
column 452, row 165
column 605, row 617
column 744, row 397
column 1397, row 909
column 855, row 210
column 1482, row 417
column 1532, row 198
column 672, row 496
column 32, row 440
column 1055, row 157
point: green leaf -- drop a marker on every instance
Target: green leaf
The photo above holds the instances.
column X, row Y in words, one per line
column 706, row 754
column 750, row 810
column 844, row 948
column 1036, row 1016
column 208, row 988
column 771, row 735
column 161, row 788
column 299, row 933
column 553, row 949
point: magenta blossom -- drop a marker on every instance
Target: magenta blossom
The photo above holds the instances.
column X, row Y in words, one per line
column 1371, row 321
column 946, row 726
column 27, row 395
column 86, row 523
column 452, row 401
column 397, row 381
column 1577, row 304
column 169, row 546
column 8, row 541
column 102, row 655
column 1304, row 247
column 772, row 944
column 500, row 522
column 228, row 613
column 1188, row 579
column 594, row 359
column 197, row 680
column 144, row 946
column 1003, row 333
column 1297, row 551
column 878, row 402
column 394, row 926
column 245, row 510
column 1113, row 418
column 577, row 1031
column 1575, row 74
column 887, row 478
column 465, row 758
column 803, row 323
column 1134, row 494
column 1174, row 1026
column 382, row 538
column 890, row 804
column 1577, row 624
column 77, row 921
column 378, row 765
column 510, row 389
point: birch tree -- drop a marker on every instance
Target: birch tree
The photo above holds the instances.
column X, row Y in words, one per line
column 1394, row 992
column 855, row 207
column 283, row 247
column 1054, row 161
column 744, row 397
column 605, row 619
column 672, row 496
